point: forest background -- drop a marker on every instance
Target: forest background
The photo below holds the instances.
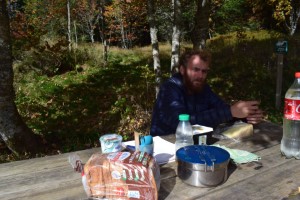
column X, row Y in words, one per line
column 84, row 68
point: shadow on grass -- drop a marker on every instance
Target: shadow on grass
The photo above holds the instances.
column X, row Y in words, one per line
column 78, row 114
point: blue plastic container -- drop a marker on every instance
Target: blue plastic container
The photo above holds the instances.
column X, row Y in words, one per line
column 111, row 143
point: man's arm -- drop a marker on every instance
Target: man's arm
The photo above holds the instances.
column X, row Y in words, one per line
column 214, row 112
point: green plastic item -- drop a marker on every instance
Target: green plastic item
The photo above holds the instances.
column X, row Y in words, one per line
column 240, row 156
column 184, row 117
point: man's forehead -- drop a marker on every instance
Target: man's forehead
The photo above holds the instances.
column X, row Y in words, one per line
column 196, row 61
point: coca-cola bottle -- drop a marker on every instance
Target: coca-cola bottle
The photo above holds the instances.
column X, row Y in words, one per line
column 290, row 143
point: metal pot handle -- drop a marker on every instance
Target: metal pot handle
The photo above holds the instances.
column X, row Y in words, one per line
column 211, row 157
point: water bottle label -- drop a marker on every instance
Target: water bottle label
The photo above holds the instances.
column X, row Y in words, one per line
column 291, row 109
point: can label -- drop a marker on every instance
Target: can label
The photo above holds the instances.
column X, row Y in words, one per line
column 291, row 109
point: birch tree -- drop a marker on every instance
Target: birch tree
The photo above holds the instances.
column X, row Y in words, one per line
column 102, row 29
column 69, row 24
column 117, row 23
column 288, row 13
column 154, row 43
column 176, row 5
column 126, row 22
column 13, row 131
column 88, row 14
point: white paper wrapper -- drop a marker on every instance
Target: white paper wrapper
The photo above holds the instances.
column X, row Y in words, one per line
column 198, row 129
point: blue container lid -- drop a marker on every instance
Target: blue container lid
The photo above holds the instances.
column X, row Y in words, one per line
column 111, row 138
column 201, row 154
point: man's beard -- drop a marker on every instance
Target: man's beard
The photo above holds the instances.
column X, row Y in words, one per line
column 195, row 86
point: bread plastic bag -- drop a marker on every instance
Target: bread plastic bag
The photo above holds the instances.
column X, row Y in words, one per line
column 77, row 165
column 122, row 175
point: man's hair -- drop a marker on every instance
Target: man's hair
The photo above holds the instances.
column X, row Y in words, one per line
column 203, row 54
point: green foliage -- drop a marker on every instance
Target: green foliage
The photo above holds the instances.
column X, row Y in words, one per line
column 47, row 59
column 244, row 66
column 72, row 110
column 54, row 58
column 233, row 15
column 127, row 23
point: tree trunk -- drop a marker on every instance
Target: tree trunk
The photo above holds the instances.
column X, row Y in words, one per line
column 69, row 25
column 200, row 30
column 75, row 34
column 176, row 35
column 13, row 131
column 155, row 45
column 124, row 46
column 294, row 18
column 102, row 30
column 91, row 33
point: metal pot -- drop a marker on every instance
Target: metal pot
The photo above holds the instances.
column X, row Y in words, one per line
column 202, row 166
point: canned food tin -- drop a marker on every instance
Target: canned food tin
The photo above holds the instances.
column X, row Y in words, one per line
column 111, row 143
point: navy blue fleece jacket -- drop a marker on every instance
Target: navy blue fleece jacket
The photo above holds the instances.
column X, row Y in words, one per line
column 205, row 108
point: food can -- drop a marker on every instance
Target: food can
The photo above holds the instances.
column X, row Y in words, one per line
column 111, row 143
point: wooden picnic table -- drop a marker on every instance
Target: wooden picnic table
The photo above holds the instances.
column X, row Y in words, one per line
column 273, row 177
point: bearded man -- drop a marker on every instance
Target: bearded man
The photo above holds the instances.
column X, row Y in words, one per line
column 187, row 92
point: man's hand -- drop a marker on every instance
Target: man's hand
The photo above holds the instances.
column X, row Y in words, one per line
column 247, row 109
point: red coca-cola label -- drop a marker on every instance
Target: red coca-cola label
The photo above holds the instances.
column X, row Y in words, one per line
column 291, row 109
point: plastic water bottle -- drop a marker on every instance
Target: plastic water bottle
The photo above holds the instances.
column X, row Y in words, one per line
column 184, row 132
column 290, row 143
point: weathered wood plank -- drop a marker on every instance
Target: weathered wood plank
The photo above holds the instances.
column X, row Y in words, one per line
column 50, row 177
column 265, row 135
column 53, row 178
column 271, row 160
column 279, row 182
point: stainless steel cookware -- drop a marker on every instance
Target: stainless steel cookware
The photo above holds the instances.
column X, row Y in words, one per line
column 202, row 165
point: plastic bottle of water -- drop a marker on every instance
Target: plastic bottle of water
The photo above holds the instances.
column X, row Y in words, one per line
column 184, row 132
column 290, row 143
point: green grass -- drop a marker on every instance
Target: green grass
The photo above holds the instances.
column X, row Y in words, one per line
column 246, row 68
column 72, row 110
